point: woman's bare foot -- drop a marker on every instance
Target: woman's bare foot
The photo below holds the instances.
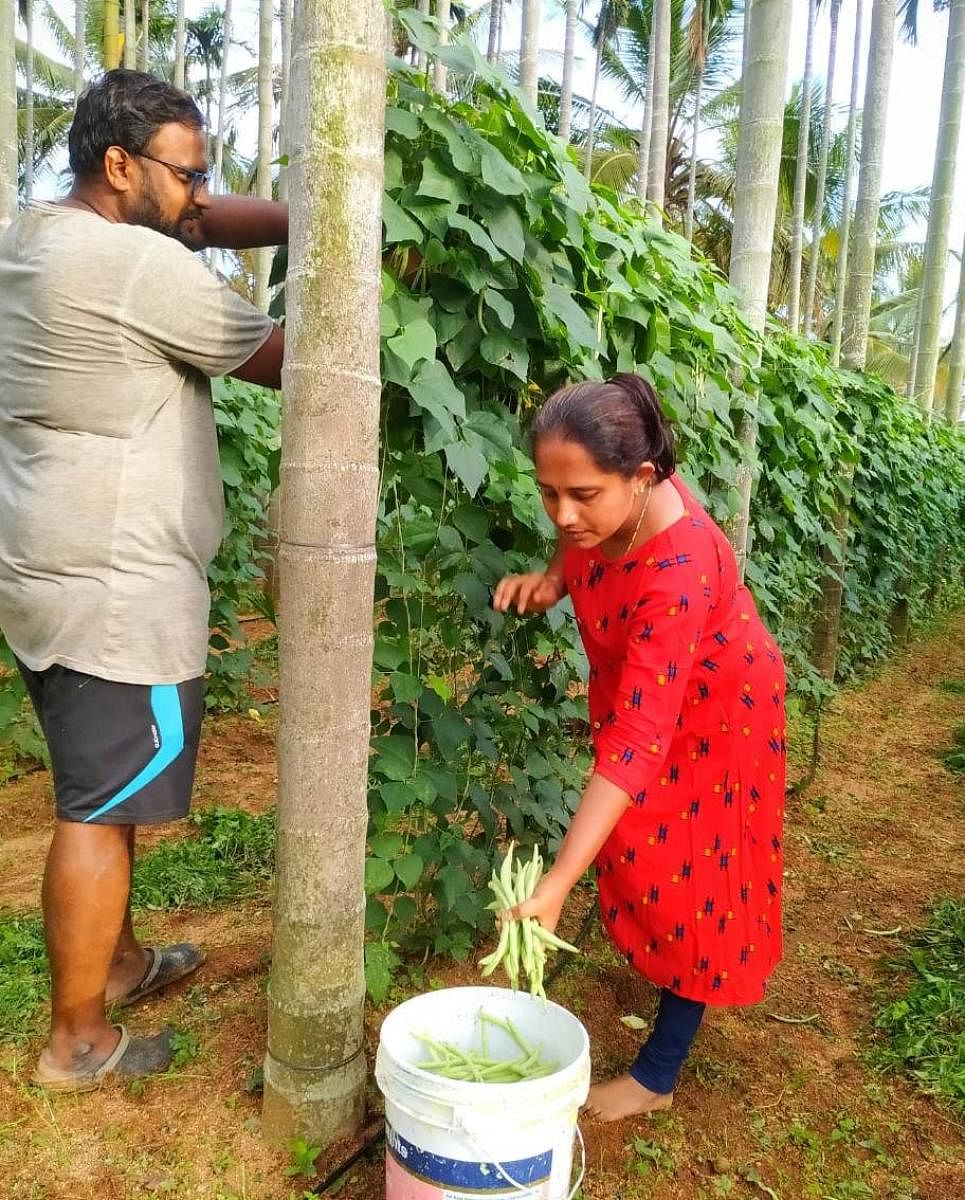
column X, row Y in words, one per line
column 624, row 1097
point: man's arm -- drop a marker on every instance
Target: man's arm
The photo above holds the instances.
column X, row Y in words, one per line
column 264, row 366
column 241, row 223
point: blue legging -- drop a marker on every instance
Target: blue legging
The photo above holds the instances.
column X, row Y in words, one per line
column 665, row 1050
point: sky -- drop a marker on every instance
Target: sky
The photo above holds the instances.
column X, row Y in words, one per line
column 913, row 108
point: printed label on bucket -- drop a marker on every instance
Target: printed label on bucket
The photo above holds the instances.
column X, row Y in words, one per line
column 414, row 1174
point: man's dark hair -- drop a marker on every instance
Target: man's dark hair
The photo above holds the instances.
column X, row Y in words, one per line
column 126, row 109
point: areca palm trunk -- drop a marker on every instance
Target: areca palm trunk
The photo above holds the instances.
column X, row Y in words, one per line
column 801, row 175
column 692, row 172
column 284, row 103
column 130, row 34
column 222, row 99
column 439, row 71
column 591, row 128
column 266, row 107
column 80, row 46
column 660, row 52
column 861, row 265
column 844, row 230
column 8, row 115
column 144, row 58
column 315, row 1065
column 755, row 203
column 956, row 356
column 817, row 221
column 425, row 7
column 179, row 45
column 495, row 19
column 940, row 208
column 112, row 34
column 28, row 116
column 529, row 49
column 646, row 129
column 569, row 55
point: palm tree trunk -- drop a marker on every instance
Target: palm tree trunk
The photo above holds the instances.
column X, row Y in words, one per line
column 755, row 202
column 28, row 116
column 144, row 58
column 439, row 71
column 80, row 46
column 315, row 1065
column 801, row 175
column 844, row 232
column 660, row 51
column 529, row 49
column 112, row 34
column 817, row 222
column 569, row 56
column 692, row 175
column 284, row 104
column 646, row 129
column 266, row 112
column 8, row 115
column 956, row 357
column 495, row 18
column 864, row 233
column 591, row 128
column 940, row 208
column 222, row 101
column 130, row 34
column 425, row 7
column 179, row 65
column 915, row 336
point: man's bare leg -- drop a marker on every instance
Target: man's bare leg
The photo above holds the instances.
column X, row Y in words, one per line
column 85, row 892
column 131, row 961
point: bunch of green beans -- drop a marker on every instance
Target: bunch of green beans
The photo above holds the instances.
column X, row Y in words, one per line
column 479, row 1066
column 523, row 944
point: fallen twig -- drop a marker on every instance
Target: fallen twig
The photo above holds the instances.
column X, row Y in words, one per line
column 793, row 1020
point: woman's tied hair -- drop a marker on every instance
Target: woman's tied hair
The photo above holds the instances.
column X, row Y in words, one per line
column 620, row 423
column 126, row 109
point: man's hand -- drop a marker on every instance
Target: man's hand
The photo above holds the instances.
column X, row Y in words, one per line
column 535, row 592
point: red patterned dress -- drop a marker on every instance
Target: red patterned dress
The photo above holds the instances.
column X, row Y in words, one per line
column 687, row 712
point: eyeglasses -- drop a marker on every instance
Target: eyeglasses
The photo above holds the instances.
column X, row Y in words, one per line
column 198, row 180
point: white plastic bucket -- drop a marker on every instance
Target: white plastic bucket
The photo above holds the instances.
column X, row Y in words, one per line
column 453, row 1140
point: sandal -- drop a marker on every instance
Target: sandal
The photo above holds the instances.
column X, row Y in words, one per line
column 166, row 966
column 132, row 1058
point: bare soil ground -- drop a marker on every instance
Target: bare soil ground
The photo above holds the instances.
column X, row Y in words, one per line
column 765, row 1108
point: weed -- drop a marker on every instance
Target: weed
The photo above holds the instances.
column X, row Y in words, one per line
column 954, row 687
column 186, row 1048
column 650, row 1157
column 303, row 1155
column 230, row 859
column 23, row 975
column 954, row 759
column 925, row 1028
column 833, row 853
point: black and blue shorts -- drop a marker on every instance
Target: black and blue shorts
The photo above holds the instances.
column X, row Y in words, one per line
column 121, row 753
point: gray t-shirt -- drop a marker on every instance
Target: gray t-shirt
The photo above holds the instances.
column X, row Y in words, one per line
column 111, row 505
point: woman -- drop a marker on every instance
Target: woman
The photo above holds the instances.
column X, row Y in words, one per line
column 683, row 813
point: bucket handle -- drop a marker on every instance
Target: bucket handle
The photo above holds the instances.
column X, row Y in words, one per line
column 521, row 1188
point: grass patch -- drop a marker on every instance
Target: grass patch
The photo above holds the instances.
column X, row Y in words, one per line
column 925, row 1028
column 954, row 687
column 954, row 759
column 23, row 975
column 230, row 859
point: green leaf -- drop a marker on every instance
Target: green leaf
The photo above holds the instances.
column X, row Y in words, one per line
column 477, row 235
column 450, row 732
column 378, row 875
column 416, row 341
column 399, row 226
column 500, row 174
column 394, row 756
column 402, row 122
column 455, row 883
column 505, row 227
column 380, row 963
column 405, row 688
column 504, row 351
column 560, row 303
column 500, row 306
column 439, row 183
column 468, row 464
column 432, row 388
column 386, row 845
column 471, row 521
column 462, row 156
column 409, row 869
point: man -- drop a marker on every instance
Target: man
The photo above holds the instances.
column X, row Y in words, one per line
column 111, row 509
